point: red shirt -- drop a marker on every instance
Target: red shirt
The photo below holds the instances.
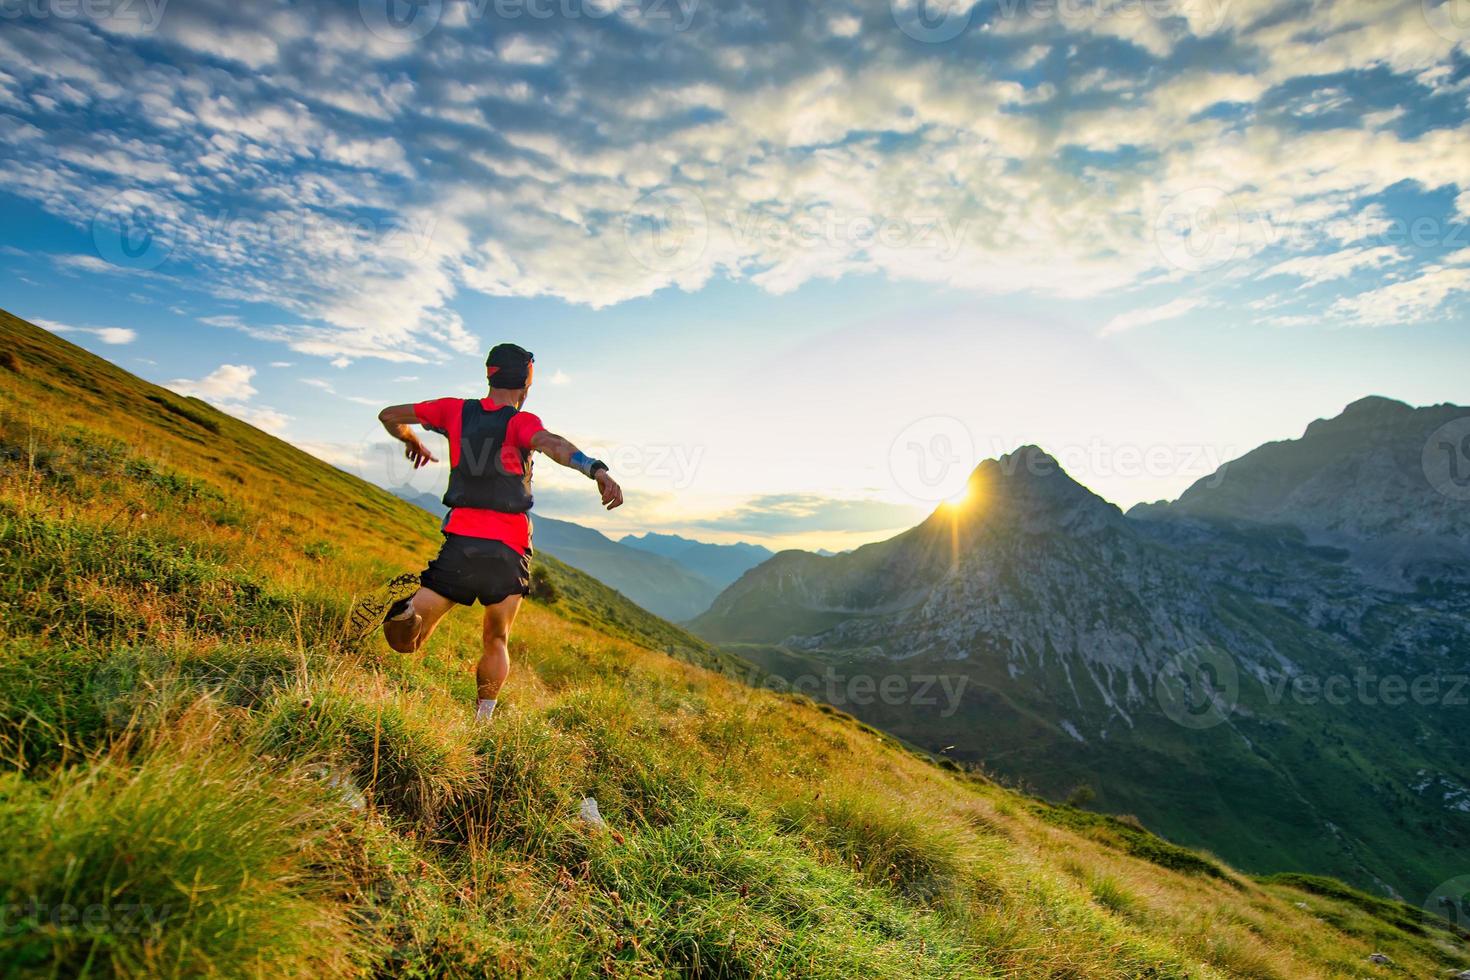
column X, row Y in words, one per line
column 443, row 415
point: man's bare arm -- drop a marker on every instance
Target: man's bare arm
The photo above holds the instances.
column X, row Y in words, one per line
column 397, row 419
column 562, row 450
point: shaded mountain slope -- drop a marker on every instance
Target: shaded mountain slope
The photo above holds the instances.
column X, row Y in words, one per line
column 1076, row 630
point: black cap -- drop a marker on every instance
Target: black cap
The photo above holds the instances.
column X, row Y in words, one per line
column 509, row 366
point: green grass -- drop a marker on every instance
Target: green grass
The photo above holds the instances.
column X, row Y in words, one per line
column 198, row 777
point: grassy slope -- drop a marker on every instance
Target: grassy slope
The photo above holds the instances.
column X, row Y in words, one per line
column 198, row 777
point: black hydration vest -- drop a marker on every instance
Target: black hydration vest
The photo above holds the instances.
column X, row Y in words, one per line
column 480, row 479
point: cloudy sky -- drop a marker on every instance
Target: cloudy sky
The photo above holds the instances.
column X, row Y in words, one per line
column 792, row 267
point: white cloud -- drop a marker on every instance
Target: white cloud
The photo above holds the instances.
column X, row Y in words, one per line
column 560, row 377
column 265, row 419
column 226, row 383
column 1315, row 269
column 521, row 50
column 108, row 335
column 329, row 389
column 774, row 163
column 1156, row 314
column 228, row 388
column 1406, row 302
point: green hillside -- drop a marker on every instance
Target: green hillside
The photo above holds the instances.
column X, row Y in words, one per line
column 198, row 778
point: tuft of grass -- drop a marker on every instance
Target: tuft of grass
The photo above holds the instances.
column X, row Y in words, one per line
column 921, row 857
column 1111, row 895
column 383, row 740
column 190, row 862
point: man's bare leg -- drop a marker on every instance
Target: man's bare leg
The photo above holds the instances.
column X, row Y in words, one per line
column 494, row 665
column 411, row 632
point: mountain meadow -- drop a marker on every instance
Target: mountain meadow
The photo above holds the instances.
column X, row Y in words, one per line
column 202, row 778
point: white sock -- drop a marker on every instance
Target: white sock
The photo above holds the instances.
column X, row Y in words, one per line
column 485, row 710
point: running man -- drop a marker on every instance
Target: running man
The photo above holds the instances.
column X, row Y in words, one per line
column 486, row 554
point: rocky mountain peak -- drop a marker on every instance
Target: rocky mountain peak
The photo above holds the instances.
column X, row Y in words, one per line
column 1372, row 412
column 1030, row 485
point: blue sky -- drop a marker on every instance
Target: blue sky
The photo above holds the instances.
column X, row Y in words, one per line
column 793, row 268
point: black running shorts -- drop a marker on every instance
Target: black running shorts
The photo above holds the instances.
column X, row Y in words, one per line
column 477, row 569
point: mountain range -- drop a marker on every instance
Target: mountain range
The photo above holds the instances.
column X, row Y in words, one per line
column 1272, row 667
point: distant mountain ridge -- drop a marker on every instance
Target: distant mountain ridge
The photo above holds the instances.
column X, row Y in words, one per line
column 1313, row 558
column 1357, row 481
column 720, row 564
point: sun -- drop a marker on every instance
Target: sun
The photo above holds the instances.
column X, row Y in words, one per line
column 959, row 498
